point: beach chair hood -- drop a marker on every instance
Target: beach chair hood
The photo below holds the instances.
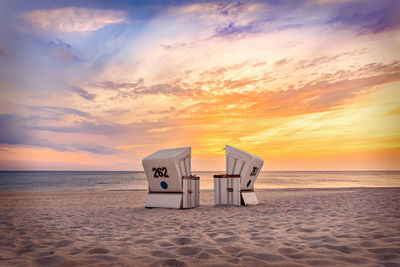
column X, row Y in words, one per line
column 165, row 168
column 248, row 166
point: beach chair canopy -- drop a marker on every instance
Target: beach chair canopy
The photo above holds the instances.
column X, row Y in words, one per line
column 248, row 166
column 165, row 168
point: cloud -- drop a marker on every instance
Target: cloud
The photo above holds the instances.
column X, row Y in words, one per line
column 85, row 94
column 232, row 29
column 302, row 64
column 13, row 131
column 72, row 19
column 61, row 51
column 367, row 18
column 83, row 127
column 282, row 61
column 217, row 92
column 95, row 148
column 139, row 89
column 231, row 9
column 89, row 127
column 69, row 120
column 321, row 94
column 74, row 147
column 16, row 130
column 60, row 111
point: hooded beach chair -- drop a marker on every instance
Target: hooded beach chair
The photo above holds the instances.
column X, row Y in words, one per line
column 171, row 184
column 236, row 187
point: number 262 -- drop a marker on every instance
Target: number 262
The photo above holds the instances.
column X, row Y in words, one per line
column 160, row 172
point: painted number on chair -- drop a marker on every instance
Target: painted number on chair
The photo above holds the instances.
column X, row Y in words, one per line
column 160, row 172
column 254, row 172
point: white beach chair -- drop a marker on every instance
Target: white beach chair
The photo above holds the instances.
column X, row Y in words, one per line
column 236, row 187
column 171, row 184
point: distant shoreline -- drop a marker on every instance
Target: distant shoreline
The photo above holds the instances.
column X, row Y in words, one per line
column 210, row 189
column 136, row 181
column 218, row 171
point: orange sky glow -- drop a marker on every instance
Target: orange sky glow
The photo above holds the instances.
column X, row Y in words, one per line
column 309, row 86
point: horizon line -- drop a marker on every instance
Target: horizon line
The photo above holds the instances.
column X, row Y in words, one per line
column 380, row 170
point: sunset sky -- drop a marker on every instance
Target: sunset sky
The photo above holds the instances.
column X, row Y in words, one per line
column 98, row 85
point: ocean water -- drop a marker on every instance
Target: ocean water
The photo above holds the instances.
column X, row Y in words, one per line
column 122, row 180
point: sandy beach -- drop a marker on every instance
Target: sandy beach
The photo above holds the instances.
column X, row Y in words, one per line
column 308, row 227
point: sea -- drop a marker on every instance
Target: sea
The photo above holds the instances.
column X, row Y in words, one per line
column 136, row 180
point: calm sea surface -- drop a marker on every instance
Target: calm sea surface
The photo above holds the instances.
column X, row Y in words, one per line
column 111, row 180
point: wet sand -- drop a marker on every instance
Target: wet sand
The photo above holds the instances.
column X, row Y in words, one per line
column 308, row 227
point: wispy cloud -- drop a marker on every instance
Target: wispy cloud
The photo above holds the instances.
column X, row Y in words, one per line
column 61, row 51
column 368, row 17
column 139, row 89
column 72, row 19
column 85, row 94
column 59, row 111
column 18, row 131
column 230, row 28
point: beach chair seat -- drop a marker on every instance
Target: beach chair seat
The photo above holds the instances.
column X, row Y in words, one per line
column 226, row 189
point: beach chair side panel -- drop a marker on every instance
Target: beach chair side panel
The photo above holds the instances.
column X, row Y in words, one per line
column 227, row 191
column 189, row 193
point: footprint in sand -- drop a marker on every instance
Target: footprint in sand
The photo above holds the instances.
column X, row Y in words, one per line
column 188, row 251
column 204, row 256
column 287, row 251
column 343, row 249
column 104, row 259
column 50, row 261
column 181, row 240
column 267, row 257
column 352, row 260
column 214, row 251
column 306, row 230
column 24, row 250
column 63, row 243
column 368, row 244
column 227, row 233
column 233, row 250
column 174, row 263
column 298, row 256
column 165, row 244
column 321, row 263
column 98, row 251
column 234, row 261
column 385, row 250
column 386, row 254
column 212, row 234
column 144, row 241
column 162, row 254
column 227, row 239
